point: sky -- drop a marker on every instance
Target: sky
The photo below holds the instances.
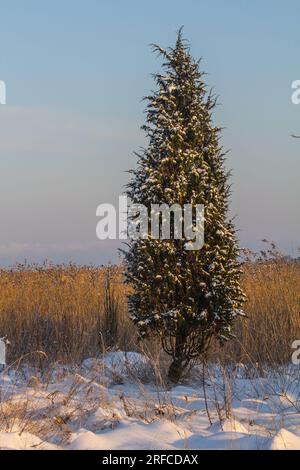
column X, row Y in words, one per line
column 75, row 74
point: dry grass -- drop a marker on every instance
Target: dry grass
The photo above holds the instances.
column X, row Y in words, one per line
column 72, row 312
column 63, row 311
column 272, row 286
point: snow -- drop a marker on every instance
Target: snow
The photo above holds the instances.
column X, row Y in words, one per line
column 23, row 441
column 285, row 440
column 106, row 403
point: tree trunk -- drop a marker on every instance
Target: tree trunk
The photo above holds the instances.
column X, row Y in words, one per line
column 176, row 370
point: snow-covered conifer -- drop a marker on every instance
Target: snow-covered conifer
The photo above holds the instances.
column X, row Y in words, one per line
column 185, row 297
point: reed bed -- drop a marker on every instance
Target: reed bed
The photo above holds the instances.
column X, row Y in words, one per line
column 71, row 312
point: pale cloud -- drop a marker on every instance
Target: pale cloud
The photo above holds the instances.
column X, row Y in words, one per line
column 37, row 248
column 43, row 248
column 96, row 252
column 48, row 132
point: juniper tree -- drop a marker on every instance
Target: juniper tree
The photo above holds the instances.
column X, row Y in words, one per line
column 185, row 297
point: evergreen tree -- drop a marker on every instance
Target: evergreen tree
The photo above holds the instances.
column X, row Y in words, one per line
column 184, row 297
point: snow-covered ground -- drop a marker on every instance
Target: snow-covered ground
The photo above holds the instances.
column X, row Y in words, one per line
column 114, row 404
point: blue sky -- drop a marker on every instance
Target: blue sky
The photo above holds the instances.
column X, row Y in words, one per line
column 76, row 72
